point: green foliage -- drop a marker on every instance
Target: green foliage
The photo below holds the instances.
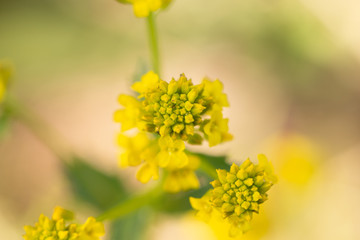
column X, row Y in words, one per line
column 129, row 226
column 92, row 185
column 4, row 125
column 217, row 162
column 5, row 121
column 123, row 1
column 178, row 203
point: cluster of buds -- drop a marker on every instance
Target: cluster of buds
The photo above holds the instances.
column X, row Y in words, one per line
column 57, row 229
column 237, row 194
column 143, row 8
column 178, row 109
column 168, row 115
column 5, row 74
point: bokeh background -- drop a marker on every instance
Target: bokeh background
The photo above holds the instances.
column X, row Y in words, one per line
column 291, row 69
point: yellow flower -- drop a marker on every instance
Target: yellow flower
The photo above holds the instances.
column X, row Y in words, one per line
column 142, row 8
column 5, row 74
column 149, row 83
column 91, row 230
column 57, row 229
column 216, row 129
column 140, row 150
column 134, row 149
column 214, row 90
column 178, row 109
column 203, row 206
column 147, row 171
column 60, row 213
column 128, row 116
column 153, row 153
column 224, row 230
column 2, row 90
column 297, row 158
column 265, row 164
column 172, row 152
column 183, row 179
column 168, row 115
column 237, row 194
column 206, row 212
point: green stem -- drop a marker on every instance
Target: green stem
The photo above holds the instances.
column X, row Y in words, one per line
column 208, row 169
column 131, row 204
column 154, row 48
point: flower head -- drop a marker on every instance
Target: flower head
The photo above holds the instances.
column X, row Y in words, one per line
column 178, row 109
column 57, row 229
column 167, row 115
column 216, row 129
column 2, row 90
column 5, row 74
column 238, row 194
column 142, row 8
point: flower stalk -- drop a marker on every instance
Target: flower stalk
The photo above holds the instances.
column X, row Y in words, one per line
column 153, row 41
column 131, row 204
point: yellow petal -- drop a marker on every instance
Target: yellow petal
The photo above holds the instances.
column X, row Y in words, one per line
column 163, row 158
column 141, row 9
column 145, row 173
column 60, row 213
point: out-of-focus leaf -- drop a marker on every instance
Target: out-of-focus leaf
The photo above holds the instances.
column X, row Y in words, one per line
column 179, row 203
column 130, row 227
column 215, row 161
column 209, row 164
column 123, row 1
column 5, row 122
column 166, row 3
column 94, row 186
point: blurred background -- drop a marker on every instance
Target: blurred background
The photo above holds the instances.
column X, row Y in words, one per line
column 291, row 69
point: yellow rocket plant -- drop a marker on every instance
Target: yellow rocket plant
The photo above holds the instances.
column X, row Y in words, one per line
column 237, row 194
column 5, row 73
column 143, row 8
column 157, row 123
column 167, row 115
column 57, row 228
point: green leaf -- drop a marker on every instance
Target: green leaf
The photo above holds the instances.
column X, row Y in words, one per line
column 124, row 1
column 92, row 185
column 166, row 3
column 5, row 122
column 209, row 164
column 179, row 203
column 130, row 227
column 217, row 162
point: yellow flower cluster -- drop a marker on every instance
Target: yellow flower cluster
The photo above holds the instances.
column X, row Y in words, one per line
column 56, row 228
column 167, row 115
column 5, row 73
column 179, row 109
column 143, row 150
column 142, row 8
column 2, row 90
column 237, row 194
